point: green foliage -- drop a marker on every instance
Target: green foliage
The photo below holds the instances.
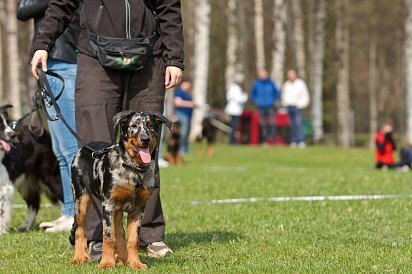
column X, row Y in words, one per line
column 261, row 237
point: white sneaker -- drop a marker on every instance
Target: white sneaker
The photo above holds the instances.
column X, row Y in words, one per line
column 65, row 224
column 45, row 225
column 293, row 145
column 302, row 145
column 158, row 250
column 163, row 163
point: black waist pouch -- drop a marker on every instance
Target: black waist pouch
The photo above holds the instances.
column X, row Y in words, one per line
column 122, row 53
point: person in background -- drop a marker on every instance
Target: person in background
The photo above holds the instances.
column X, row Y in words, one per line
column 264, row 95
column 184, row 105
column 62, row 60
column 236, row 99
column 295, row 97
column 385, row 146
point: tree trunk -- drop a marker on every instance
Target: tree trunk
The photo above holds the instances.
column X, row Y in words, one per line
column 373, row 86
column 201, row 64
column 232, row 43
column 279, row 41
column 3, row 23
column 13, row 59
column 408, row 60
column 1, row 64
column 317, row 71
column 343, row 103
column 299, row 38
column 259, row 35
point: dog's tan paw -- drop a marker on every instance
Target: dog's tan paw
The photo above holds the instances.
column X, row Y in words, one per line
column 138, row 265
column 80, row 259
column 107, row 264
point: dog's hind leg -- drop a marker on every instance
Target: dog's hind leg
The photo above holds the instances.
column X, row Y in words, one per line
column 121, row 248
column 80, row 254
column 6, row 206
column 109, row 239
column 133, row 225
column 210, row 150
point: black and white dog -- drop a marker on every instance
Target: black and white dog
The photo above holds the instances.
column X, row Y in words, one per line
column 28, row 164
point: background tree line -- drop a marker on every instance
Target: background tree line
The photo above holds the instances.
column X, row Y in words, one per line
column 356, row 57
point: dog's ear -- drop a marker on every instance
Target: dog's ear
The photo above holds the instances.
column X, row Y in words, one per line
column 161, row 119
column 118, row 120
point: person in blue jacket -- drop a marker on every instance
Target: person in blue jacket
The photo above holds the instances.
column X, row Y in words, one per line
column 264, row 95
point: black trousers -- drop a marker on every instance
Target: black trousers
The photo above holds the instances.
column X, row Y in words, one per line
column 101, row 94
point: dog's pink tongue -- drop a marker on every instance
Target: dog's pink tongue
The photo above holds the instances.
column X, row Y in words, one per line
column 145, row 155
column 5, row 145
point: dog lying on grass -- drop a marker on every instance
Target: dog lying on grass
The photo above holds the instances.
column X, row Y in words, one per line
column 123, row 178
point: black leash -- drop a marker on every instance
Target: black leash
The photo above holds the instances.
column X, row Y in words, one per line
column 48, row 97
column 37, row 104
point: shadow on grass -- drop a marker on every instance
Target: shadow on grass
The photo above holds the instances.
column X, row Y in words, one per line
column 183, row 239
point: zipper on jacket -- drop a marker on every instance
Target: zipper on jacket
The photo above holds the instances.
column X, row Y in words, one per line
column 99, row 15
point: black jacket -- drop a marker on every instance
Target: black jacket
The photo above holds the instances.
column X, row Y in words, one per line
column 108, row 18
column 65, row 46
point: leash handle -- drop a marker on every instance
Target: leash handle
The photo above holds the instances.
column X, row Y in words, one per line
column 46, row 93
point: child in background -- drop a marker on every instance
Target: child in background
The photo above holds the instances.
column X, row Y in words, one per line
column 385, row 146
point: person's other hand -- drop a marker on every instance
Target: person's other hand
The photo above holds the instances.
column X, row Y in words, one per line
column 173, row 77
column 39, row 57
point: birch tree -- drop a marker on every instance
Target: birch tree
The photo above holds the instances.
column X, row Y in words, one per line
column 317, row 70
column 201, row 64
column 259, row 35
column 13, row 58
column 342, row 46
column 408, row 61
column 279, row 41
column 373, row 86
column 299, row 37
column 232, row 42
column 3, row 22
column 1, row 64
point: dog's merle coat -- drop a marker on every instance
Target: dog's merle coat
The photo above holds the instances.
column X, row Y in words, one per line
column 122, row 177
column 29, row 163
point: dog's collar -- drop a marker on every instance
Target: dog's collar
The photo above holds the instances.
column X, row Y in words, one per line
column 136, row 168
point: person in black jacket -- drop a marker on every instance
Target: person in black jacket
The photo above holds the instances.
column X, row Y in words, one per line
column 102, row 92
column 62, row 60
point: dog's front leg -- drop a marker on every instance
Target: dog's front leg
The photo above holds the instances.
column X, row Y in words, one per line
column 108, row 257
column 133, row 225
column 121, row 248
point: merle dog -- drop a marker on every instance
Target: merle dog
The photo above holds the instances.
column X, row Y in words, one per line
column 122, row 177
column 28, row 163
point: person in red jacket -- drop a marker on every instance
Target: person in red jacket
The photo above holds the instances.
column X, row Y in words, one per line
column 385, row 146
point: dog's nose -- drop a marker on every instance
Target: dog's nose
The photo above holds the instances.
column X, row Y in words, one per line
column 145, row 139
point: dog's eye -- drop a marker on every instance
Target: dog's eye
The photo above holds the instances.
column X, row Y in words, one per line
column 133, row 126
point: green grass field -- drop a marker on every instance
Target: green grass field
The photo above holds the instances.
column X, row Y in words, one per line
column 372, row 236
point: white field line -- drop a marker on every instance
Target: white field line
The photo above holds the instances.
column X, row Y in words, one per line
column 25, row 206
column 305, row 199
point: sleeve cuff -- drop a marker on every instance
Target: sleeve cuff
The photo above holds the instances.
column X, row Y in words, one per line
column 175, row 63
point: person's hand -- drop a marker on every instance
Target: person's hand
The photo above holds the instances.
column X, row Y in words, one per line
column 39, row 57
column 173, row 77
